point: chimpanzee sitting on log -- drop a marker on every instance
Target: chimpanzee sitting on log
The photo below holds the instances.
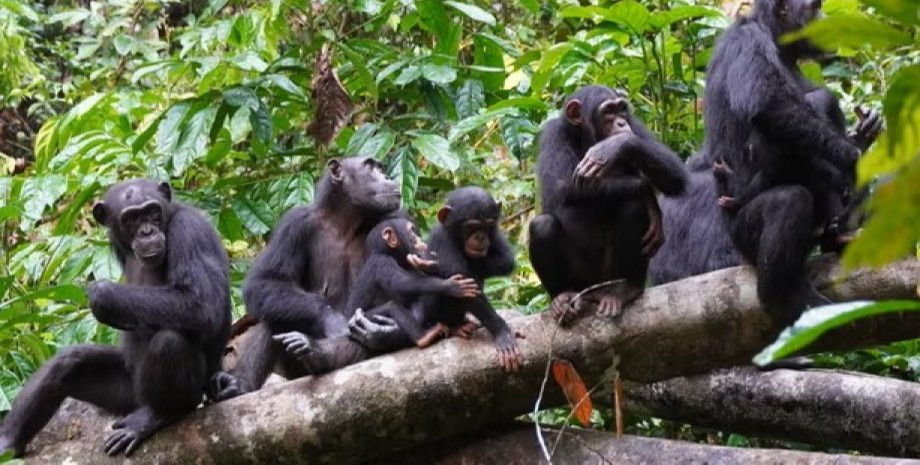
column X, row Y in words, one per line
column 302, row 279
column 600, row 222
column 466, row 243
column 173, row 313
column 391, row 283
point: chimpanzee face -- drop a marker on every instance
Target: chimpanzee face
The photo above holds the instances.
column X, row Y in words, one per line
column 401, row 236
column 136, row 214
column 793, row 15
column 364, row 184
column 600, row 111
column 476, row 236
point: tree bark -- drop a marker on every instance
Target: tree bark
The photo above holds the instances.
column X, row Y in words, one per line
column 519, row 446
column 845, row 410
column 394, row 401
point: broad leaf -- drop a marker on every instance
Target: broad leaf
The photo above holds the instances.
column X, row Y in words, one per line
column 474, row 12
column 436, row 149
column 850, row 31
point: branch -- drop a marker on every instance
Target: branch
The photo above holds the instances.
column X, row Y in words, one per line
column 850, row 411
column 398, row 400
column 517, row 446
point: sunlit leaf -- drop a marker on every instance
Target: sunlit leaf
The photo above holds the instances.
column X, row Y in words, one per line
column 850, row 30
column 905, row 11
column 436, row 149
column 473, row 11
column 470, row 98
column 817, row 321
column 574, row 389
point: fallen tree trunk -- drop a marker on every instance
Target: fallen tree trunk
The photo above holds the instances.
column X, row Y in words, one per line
column 518, row 445
column 395, row 401
column 845, row 410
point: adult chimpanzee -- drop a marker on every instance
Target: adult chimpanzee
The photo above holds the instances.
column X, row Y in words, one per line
column 391, row 283
column 173, row 313
column 467, row 242
column 600, row 220
column 301, row 281
column 760, row 123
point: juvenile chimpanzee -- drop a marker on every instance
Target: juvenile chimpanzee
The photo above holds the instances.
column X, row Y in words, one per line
column 600, row 220
column 302, row 279
column 391, row 283
column 755, row 99
column 173, row 313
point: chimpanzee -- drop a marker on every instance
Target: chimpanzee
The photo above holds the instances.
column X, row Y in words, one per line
column 467, row 242
column 173, row 313
column 755, row 104
column 600, row 220
column 391, row 282
column 301, row 281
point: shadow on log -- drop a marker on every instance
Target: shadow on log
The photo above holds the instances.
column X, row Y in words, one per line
column 412, row 397
column 845, row 410
column 518, row 446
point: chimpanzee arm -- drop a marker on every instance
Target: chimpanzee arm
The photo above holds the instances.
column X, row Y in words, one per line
column 559, row 155
column 765, row 96
column 500, row 259
column 197, row 294
column 396, row 280
column 486, row 314
column 274, row 289
column 643, row 152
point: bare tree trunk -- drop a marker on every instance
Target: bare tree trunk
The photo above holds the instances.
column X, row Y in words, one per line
column 399, row 400
column 846, row 410
column 518, row 445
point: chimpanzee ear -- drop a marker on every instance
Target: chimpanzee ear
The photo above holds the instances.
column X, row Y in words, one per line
column 335, row 170
column 573, row 112
column 165, row 190
column 101, row 212
column 443, row 213
column 389, row 236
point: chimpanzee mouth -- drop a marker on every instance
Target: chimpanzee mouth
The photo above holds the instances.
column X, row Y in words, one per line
column 148, row 254
column 476, row 253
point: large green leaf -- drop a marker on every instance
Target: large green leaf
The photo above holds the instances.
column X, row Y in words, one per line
column 547, row 66
column 436, row 149
column 193, row 140
column 471, row 123
column 905, row 11
column 850, row 31
column 473, row 11
column 818, row 321
column 254, row 214
column 403, row 168
column 470, row 98
column 487, row 55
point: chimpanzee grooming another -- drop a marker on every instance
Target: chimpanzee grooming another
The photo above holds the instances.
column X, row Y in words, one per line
column 301, row 281
column 758, row 121
column 173, row 313
column 600, row 220
column 391, row 283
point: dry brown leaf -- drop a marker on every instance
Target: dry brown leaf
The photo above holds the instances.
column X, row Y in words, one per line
column 333, row 105
column 574, row 389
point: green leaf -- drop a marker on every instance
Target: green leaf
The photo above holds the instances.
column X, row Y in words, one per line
column 379, row 146
column 518, row 134
column 65, row 292
column 660, row 19
column 364, row 75
column 433, row 17
column 850, row 31
column 470, row 98
column 532, row 103
column 474, row 12
column 408, row 74
column 169, row 129
column 436, row 149
column 359, row 138
column 262, row 129
column 254, row 214
column 69, row 18
column 39, row 193
column 404, row 170
column 905, row 11
column 242, row 96
column 193, row 141
column 466, row 125
column 124, row 44
column 547, row 66
column 488, row 55
column 818, row 321
column 439, row 74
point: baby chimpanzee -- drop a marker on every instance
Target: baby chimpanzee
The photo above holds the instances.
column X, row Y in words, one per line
column 391, row 282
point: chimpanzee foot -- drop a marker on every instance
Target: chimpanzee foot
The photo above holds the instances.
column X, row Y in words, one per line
column 563, row 308
column 618, row 296
column 466, row 330
column 609, row 306
column 225, row 386
column 132, row 430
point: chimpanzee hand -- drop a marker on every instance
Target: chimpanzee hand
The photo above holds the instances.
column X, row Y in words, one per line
column 223, row 386
column 132, row 430
column 295, row 343
column 378, row 333
column 463, row 287
column 509, row 356
column 103, row 301
column 728, row 203
column 419, row 263
column 867, row 129
column 599, row 159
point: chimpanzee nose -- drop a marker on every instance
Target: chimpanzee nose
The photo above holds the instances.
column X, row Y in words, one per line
column 621, row 124
column 146, row 230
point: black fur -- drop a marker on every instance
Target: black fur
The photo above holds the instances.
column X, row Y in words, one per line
column 587, row 235
column 301, row 281
column 174, row 315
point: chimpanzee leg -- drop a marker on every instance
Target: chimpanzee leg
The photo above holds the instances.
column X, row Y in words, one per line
column 548, row 247
column 95, row 374
column 774, row 231
column 258, row 354
column 169, row 382
column 628, row 260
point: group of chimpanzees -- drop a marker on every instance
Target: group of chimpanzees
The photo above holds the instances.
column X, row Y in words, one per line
column 348, row 277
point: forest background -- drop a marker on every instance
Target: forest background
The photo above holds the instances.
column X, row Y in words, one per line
column 240, row 103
